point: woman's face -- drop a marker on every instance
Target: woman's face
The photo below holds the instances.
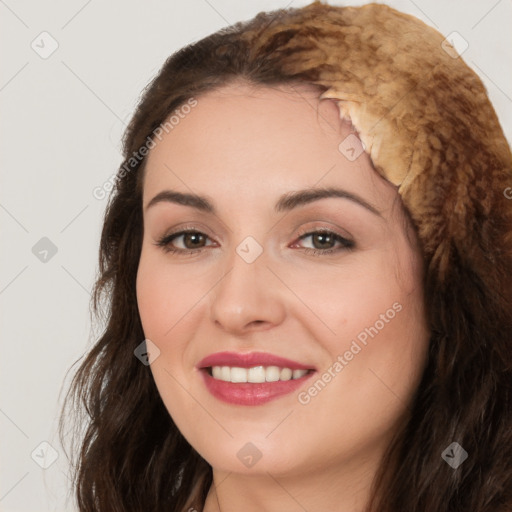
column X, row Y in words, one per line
column 330, row 283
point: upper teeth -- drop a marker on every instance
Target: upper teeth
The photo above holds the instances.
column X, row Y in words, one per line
column 255, row 374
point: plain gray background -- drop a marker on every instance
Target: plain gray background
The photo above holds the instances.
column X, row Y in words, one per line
column 62, row 121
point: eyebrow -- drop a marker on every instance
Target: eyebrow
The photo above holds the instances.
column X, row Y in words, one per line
column 286, row 202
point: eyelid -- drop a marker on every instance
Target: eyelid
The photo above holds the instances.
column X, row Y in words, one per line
column 186, row 227
column 344, row 243
column 327, row 229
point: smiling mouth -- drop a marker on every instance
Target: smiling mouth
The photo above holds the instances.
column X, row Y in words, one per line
column 255, row 374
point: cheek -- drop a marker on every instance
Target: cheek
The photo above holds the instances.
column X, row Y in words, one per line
column 370, row 313
column 339, row 301
column 152, row 297
column 386, row 320
column 165, row 294
column 376, row 355
column 168, row 300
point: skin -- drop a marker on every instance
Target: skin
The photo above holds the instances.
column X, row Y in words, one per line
column 243, row 147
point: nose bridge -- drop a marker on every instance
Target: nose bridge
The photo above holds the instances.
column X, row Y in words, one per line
column 248, row 293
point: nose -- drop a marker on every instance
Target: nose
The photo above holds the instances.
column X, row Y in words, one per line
column 249, row 297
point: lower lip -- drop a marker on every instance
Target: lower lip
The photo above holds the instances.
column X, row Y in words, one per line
column 245, row 393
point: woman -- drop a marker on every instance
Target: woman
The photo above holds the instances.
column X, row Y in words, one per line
column 307, row 260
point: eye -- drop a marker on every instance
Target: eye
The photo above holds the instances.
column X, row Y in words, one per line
column 191, row 240
column 194, row 241
column 324, row 242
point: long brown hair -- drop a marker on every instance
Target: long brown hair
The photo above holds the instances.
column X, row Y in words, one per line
column 129, row 456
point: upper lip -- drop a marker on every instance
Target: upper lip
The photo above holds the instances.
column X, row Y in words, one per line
column 249, row 360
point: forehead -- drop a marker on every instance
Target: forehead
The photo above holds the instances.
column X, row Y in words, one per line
column 257, row 140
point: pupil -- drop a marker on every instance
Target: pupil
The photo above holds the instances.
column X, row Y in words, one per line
column 194, row 237
column 324, row 238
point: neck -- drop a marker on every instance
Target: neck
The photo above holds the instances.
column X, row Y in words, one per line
column 344, row 488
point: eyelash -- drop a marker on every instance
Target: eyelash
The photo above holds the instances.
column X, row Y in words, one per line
column 346, row 244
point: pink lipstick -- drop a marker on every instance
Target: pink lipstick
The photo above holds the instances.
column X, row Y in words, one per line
column 252, row 378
